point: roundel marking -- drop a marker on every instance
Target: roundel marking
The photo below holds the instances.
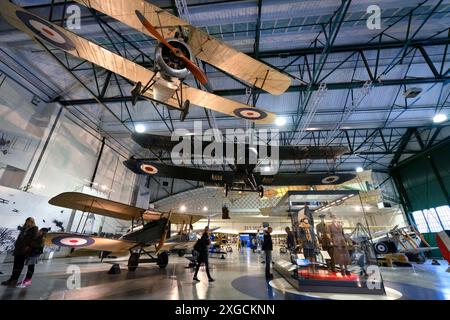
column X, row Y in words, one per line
column 330, row 179
column 250, row 113
column 73, row 241
column 45, row 31
column 148, row 168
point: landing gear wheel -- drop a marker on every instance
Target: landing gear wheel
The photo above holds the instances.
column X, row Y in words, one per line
column 133, row 261
column 418, row 258
column 136, row 92
column 185, row 110
column 181, row 253
column 163, row 260
column 261, row 191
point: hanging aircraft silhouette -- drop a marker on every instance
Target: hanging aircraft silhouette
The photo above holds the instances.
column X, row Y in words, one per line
column 245, row 175
column 4, row 145
column 179, row 45
column 148, row 235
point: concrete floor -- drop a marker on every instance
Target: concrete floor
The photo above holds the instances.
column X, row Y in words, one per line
column 239, row 276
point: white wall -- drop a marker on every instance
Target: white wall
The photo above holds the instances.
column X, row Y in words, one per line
column 68, row 160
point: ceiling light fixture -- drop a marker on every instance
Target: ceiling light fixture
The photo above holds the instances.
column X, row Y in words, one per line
column 359, row 169
column 183, row 208
column 439, row 118
column 280, row 121
column 140, row 128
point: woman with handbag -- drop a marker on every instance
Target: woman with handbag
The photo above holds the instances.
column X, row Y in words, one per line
column 22, row 250
column 201, row 246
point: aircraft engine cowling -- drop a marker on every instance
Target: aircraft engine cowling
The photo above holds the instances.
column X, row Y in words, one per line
column 170, row 64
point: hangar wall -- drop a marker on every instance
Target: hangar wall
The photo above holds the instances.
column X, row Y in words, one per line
column 45, row 151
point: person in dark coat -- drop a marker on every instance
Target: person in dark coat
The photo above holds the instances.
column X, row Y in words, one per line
column 290, row 243
column 201, row 247
column 22, row 250
column 36, row 249
column 267, row 247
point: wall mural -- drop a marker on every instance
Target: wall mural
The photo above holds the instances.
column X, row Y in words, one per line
column 7, row 239
column 17, row 205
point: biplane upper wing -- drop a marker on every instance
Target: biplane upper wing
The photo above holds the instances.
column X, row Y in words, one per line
column 88, row 203
column 160, row 142
column 80, row 47
column 81, row 241
column 203, row 46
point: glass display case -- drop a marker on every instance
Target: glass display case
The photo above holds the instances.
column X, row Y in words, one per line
column 328, row 257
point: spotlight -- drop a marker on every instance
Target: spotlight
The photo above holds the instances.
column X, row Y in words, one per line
column 439, row 118
column 280, row 121
column 205, row 209
column 183, row 208
column 359, row 169
column 140, row 128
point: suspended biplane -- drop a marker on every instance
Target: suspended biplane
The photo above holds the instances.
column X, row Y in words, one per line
column 179, row 45
column 245, row 176
column 149, row 234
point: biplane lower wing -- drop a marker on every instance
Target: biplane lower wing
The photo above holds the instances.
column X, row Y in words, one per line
column 298, row 179
column 220, row 178
column 44, row 31
column 140, row 166
column 169, row 246
column 113, row 209
column 81, row 241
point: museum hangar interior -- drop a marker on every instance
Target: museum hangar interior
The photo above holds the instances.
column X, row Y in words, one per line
column 128, row 127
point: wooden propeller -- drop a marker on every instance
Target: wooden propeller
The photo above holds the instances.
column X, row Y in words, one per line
column 191, row 66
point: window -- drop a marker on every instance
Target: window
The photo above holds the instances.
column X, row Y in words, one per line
column 433, row 220
column 444, row 215
column 420, row 221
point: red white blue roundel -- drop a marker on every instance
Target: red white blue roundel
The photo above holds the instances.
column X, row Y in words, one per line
column 73, row 241
column 148, row 168
column 330, row 179
column 250, row 113
column 45, row 31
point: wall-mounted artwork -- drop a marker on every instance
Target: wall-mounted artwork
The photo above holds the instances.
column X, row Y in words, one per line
column 7, row 239
column 17, row 205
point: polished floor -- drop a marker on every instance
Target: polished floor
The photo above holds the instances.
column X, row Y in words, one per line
column 239, row 276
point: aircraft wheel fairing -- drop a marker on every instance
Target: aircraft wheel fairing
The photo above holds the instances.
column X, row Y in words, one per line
column 163, row 260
